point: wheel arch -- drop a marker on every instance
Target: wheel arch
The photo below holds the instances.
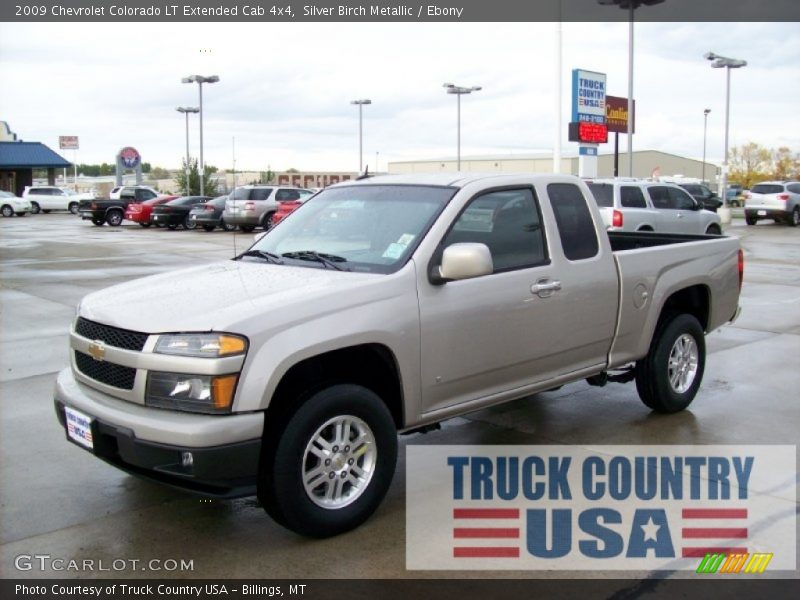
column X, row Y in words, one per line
column 694, row 300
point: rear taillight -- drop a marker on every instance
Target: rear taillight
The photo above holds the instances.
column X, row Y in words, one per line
column 249, row 205
column 617, row 219
column 94, row 206
column 783, row 197
column 741, row 268
column 135, row 208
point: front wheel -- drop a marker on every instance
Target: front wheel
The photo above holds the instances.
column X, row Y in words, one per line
column 713, row 229
column 668, row 378
column 35, row 208
column 73, row 208
column 7, row 211
column 326, row 470
column 188, row 223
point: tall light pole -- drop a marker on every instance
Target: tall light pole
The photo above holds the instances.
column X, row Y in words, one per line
column 200, row 80
column 720, row 62
column 630, row 5
column 705, row 129
column 186, row 110
column 361, row 104
column 459, row 91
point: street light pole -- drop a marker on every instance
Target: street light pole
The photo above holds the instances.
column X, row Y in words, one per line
column 459, row 91
column 186, row 110
column 361, row 104
column 630, row 5
column 200, row 80
column 720, row 62
column 705, row 130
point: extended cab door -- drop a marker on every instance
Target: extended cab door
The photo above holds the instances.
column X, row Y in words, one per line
column 539, row 315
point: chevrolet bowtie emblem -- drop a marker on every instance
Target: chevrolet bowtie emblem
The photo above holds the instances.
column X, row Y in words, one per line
column 97, row 350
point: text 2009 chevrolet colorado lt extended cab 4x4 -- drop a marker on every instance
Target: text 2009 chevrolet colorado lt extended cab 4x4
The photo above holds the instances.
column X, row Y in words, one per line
column 413, row 299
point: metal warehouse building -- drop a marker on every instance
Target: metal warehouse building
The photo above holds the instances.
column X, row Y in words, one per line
column 646, row 163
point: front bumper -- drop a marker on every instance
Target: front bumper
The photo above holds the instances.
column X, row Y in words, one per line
column 167, row 219
column 150, row 442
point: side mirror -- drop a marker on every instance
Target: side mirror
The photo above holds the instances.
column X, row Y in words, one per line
column 463, row 261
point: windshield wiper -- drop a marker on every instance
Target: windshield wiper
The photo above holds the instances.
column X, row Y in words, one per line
column 268, row 256
column 329, row 260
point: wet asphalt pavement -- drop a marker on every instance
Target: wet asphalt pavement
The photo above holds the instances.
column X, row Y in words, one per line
column 58, row 500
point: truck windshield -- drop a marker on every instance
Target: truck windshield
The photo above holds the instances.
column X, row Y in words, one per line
column 368, row 228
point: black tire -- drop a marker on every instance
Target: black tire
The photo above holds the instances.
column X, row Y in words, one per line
column 7, row 210
column 172, row 226
column 266, row 222
column 246, row 228
column 114, row 218
column 99, row 222
column 35, row 208
column 794, row 219
column 227, row 226
column 47, row 211
column 145, row 225
column 713, row 229
column 22, row 214
column 668, row 378
column 288, row 455
column 750, row 220
column 209, row 227
column 73, row 208
column 188, row 223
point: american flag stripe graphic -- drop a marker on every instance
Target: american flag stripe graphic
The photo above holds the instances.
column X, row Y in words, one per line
column 482, row 515
column 717, row 538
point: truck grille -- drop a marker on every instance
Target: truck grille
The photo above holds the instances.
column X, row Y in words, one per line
column 113, row 336
column 105, row 372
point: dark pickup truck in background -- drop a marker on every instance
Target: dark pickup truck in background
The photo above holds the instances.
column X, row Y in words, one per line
column 113, row 211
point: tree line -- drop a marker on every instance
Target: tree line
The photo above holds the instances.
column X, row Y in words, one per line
column 752, row 163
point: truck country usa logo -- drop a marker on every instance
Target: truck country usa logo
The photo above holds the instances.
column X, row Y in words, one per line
column 601, row 508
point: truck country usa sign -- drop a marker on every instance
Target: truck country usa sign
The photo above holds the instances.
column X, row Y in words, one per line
column 605, row 507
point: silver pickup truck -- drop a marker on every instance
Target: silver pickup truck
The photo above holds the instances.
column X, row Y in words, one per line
column 383, row 306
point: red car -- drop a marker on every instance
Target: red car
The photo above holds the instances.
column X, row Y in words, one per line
column 287, row 207
column 140, row 211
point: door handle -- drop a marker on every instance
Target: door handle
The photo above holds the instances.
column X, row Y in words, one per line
column 544, row 288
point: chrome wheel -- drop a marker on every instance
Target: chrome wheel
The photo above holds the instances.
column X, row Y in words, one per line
column 339, row 462
column 683, row 361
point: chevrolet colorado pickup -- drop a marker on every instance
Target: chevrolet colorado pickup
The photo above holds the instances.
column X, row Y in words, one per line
column 414, row 299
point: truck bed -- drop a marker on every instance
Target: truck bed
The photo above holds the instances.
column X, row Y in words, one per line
column 630, row 240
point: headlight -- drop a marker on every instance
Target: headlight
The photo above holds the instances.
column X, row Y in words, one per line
column 203, row 345
column 211, row 394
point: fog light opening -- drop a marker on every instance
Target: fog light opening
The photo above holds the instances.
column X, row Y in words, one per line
column 187, row 460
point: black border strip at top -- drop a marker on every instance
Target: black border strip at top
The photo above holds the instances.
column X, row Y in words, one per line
column 218, row 11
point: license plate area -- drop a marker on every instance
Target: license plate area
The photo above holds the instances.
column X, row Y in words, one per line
column 79, row 428
column 762, row 213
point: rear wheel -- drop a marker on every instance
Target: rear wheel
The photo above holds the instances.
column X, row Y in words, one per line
column 330, row 463
column 114, row 218
column 7, row 211
column 713, row 229
column 246, row 228
column 227, row 226
column 188, row 223
column 750, row 220
column 73, row 208
column 668, row 378
column 794, row 220
column 35, row 208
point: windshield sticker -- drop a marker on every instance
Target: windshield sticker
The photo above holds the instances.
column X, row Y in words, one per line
column 394, row 251
column 406, row 239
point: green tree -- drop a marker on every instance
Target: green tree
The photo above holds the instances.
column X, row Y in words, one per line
column 266, row 176
column 210, row 186
column 159, row 173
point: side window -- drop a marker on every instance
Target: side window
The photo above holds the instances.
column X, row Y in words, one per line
column 260, row 193
column 575, row 225
column 631, row 197
column 508, row 222
column 680, row 200
column 284, row 195
column 659, row 195
column 705, row 192
column 794, row 188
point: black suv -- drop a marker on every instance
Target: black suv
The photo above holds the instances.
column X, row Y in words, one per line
column 707, row 199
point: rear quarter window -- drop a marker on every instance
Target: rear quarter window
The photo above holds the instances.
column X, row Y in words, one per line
column 575, row 225
column 631, row 197
column 603, row 193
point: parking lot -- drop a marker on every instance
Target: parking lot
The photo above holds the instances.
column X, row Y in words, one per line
column 59, row 500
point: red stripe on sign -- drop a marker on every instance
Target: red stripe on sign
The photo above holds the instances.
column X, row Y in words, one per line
column 485, row 532
column 486, row 513
column 714, row 513
column 714, row 532
column 485, row 552
column 701, row 552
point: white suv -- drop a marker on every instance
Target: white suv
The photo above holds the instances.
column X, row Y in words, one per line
column 777, row 200
column 636, row 205
column 45, row 198
column 116, row 192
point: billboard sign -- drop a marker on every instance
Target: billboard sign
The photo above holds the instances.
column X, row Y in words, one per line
column 68, row 142
column 130, row 157
column 588, row 96
column 617, row 114
column 588, row 133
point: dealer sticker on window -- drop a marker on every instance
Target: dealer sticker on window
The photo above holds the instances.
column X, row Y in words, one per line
column 79, row 427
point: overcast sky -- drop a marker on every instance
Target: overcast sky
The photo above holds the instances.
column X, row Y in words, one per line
column 285, row 88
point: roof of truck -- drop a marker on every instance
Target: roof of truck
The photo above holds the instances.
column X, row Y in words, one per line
column 452, row 179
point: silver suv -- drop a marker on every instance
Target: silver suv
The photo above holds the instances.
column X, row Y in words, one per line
column 251, row 206
column 777, row 200
column 636, row 205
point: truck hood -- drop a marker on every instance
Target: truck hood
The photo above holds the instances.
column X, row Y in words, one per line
column 219, row 296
